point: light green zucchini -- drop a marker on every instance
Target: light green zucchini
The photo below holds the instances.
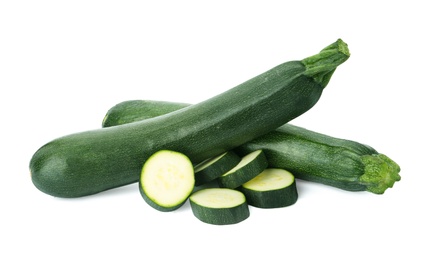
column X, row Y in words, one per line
column 89, row 162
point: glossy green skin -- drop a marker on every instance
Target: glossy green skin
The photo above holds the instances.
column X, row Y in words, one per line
column 93, row 161
column 309, row 155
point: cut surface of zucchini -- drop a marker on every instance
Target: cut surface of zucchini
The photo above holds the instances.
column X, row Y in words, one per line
column 167, row 180
column 250, row 166
column 219, row 206
column 212, row 168
column 272, row 188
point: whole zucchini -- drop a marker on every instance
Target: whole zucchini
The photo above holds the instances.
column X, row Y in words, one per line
column 93, row 161
column 324, row 159
column 308, row 155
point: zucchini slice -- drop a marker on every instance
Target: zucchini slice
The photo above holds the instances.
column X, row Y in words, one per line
column 213, row 168
column 273, row 188
column 249, row 167
column 219, row 206
column 167, row 180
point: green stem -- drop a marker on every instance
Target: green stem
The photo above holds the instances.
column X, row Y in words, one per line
column 322, row 65
column 380, row 173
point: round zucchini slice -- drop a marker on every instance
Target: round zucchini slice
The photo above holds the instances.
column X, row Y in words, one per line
column 219, row 206
column 273, row 188
column 167, row 180
column 249, row 167
column 213, row 168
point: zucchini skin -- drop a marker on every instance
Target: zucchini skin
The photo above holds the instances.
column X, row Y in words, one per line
column 89, row 162
column 312, row 156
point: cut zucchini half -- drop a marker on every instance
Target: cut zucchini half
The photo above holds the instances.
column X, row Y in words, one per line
column 213, row 168
column 166, row 180
column 219, row 206
column 249, row 167
column 273, row 188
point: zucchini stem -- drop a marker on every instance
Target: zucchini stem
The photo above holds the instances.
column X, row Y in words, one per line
column 380, row 173
column 322, row 65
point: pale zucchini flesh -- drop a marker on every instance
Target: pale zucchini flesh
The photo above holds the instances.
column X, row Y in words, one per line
column 270, row 179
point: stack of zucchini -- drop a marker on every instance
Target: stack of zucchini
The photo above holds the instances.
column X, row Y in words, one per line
column 238, row 139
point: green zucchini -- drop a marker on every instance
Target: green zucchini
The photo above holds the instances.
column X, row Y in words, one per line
column 212, row 168
column 272, row 188
column 166, row 180
column 249, row 167
column 341, row 163
column 89, row 162
column 219, row 206
column 320, row 158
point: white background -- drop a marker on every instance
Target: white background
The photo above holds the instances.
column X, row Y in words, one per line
column 63, row 64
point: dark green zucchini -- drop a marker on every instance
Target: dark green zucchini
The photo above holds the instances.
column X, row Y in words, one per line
column 320, row 158
column 312, row 156
column 93, row 161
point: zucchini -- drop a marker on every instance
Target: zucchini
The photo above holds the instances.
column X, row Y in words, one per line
column 166, row 180
column 332, row 161
column 212, row 168
column 89, row 162
column 341, row 163
column 272, row 188
column 249, row 167
column 219, row 206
